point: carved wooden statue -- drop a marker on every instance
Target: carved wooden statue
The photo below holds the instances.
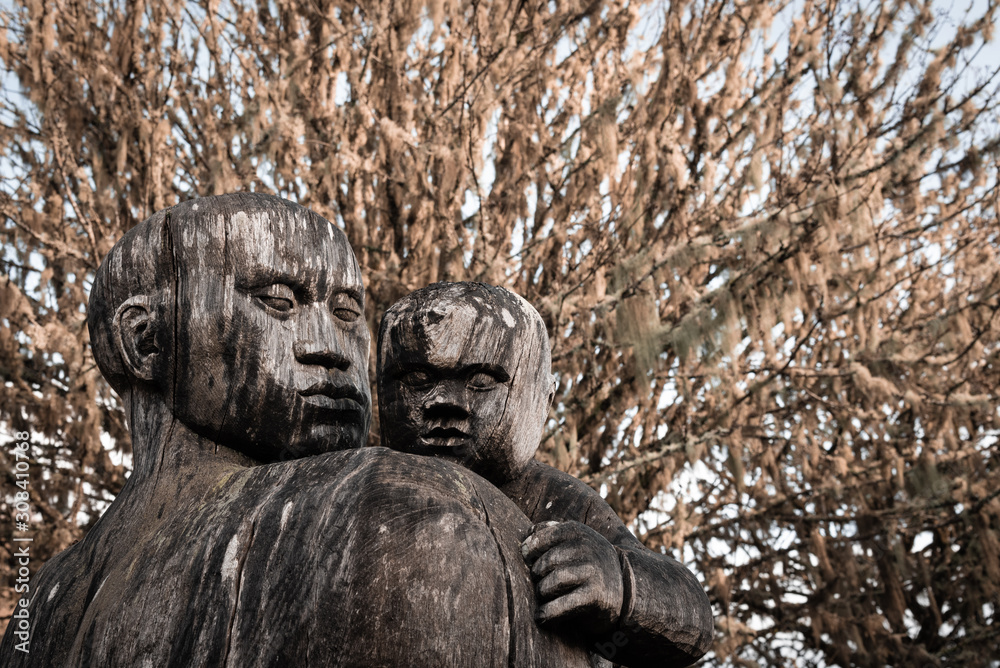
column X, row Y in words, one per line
column 255, row 530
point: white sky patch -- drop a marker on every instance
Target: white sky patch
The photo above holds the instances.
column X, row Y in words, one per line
column 470, row 205
column 488, row 153
column 922, row 541
column 342, row 90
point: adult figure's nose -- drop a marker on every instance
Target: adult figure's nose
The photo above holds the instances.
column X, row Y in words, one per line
column 447, row 400
column 320, row 353
column 319, row 342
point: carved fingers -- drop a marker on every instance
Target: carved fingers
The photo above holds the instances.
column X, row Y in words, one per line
column 577, row 575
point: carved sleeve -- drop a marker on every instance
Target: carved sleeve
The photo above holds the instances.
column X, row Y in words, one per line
column 666, row 617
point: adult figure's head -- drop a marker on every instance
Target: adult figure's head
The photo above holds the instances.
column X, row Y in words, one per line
column 464, row 373
column 242, row 318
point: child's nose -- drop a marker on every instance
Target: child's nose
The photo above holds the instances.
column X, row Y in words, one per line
column 447, row 400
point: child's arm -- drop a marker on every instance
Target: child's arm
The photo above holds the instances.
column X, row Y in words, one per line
column 664, row 616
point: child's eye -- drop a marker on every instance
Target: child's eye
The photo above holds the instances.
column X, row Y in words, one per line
column 415, row 378
column 482, row 381
column 279, row 297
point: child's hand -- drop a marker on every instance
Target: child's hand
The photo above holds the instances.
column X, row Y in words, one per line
column 577, row 574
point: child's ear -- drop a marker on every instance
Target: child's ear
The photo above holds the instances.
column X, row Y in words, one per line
column 134, row 329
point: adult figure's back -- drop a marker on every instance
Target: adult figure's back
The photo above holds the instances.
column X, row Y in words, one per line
column 253, row 531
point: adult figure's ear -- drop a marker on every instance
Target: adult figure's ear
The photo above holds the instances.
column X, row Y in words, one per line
column 135, row 336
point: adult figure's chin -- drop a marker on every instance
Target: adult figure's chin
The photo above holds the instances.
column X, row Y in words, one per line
column 325, row 438
column 319, row 439
column 282, row 445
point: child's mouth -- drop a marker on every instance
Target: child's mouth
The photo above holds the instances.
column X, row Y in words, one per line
column 444, row 436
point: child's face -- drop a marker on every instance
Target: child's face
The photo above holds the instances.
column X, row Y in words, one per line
column 461, row 382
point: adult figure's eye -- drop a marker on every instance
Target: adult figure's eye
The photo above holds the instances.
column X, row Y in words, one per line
column 415, row 378
column 482, row 381
column 278, row 297
column 345, row 307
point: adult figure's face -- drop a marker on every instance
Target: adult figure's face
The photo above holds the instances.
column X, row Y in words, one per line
column 272, row 340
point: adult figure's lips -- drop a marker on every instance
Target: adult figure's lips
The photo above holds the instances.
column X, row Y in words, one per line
column 326, row 394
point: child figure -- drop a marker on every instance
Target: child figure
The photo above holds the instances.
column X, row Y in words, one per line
column 464, row 374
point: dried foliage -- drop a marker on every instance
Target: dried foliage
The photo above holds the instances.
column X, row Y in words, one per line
column 763, row 235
